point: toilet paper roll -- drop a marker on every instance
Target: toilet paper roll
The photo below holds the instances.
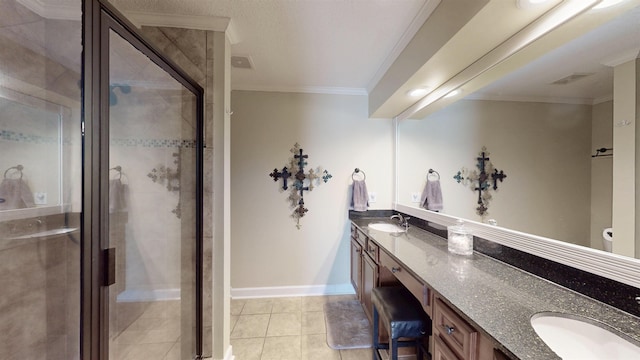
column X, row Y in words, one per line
column 606, row 232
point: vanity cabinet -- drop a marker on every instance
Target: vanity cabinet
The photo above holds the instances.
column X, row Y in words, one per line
column 364, row 268
column 454, row 338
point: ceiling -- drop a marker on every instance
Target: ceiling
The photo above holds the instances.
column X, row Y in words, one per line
column 334, row 46
column 363, row 46
column 592, row 54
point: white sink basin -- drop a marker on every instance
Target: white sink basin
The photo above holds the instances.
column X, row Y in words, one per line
column 386, row 227
column 574, row 337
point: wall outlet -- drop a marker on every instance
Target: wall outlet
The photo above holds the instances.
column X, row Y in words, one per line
column 40, row 198
column 415, row 197
column 373, row 197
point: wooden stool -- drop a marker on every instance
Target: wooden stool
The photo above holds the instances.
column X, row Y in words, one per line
column 401, row 313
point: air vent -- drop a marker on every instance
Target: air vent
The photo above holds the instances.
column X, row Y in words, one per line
column 571, row 78
column 241, row 62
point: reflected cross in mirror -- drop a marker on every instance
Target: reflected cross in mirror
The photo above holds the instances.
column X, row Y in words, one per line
column 482, row 180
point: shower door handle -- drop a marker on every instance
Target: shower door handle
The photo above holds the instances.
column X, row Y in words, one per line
column 109, row 256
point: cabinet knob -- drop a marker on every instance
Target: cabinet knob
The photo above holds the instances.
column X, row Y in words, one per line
column 448, row 329
column 395, row 269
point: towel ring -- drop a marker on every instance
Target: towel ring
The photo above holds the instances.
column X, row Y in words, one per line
column 18, row 168
column 433, row 172
column 357, row 171
column 119, row 170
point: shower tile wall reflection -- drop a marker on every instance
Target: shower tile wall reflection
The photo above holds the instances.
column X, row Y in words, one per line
column 40, row 60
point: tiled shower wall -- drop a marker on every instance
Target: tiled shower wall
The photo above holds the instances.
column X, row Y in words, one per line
column 192, row 50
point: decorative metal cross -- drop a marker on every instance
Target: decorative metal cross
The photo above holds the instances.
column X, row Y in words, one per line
column 482, row 180
column 301, row 181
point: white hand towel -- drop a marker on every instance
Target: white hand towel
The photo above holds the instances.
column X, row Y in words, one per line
column 360, row 196
column 15, row 194
column 117, row 196
column 431, row 198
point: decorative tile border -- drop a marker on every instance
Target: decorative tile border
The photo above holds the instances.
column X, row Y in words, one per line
column 154, row 143
column 27, row 138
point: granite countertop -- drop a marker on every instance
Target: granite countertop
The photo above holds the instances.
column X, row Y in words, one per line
column 496, row 298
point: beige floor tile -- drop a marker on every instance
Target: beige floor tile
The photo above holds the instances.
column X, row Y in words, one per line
column 174, row 352
column 289, row 304
column 148, row 351
column 285, row 324
column 313, row 323
column 251, row 326
column 356, row 354
column 233, row 319
column 237, row 305
column 281, row 348
column 257, row 306
column 247, row 349
column 130, row 336
column 314, row 347
column 314, row 303
column 161, row 335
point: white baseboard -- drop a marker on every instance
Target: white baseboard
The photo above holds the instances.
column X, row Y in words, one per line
column 229, row 354
column 286, row 291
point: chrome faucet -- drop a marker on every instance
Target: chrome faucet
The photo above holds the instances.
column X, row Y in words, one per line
column 404, row 221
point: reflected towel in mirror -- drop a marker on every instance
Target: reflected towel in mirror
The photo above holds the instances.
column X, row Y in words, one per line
column 15, row 194
column 431, row 198
column 360, row 196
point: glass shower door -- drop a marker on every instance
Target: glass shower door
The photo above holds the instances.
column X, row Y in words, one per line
column 153, row 208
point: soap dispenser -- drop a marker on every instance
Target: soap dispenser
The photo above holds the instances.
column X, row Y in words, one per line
column 460, row 239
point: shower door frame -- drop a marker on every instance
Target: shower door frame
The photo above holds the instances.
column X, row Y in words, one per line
column 97, row 263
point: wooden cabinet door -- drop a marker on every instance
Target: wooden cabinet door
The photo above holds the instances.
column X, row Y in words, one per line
column 369, row 282
column 441, row 351
column 356, row 267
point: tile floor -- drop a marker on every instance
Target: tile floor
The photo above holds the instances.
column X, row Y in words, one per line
column 285, row 329
column 154, row 335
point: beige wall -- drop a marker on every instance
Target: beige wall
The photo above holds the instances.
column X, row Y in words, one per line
column 267, row 250
column 543, row 148
column 601, row 172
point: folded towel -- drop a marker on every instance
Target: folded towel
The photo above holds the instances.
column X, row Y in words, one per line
column 431, row 198
column 15, row 194
column 117, row 191
column 360, row 196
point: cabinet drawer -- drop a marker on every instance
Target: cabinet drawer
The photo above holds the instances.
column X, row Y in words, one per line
column 454, row 331
column 415, row 286
column 373, row 250
column 441, row 351
column 358, row 236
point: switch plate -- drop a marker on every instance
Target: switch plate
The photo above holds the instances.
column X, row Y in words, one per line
column 415, row 197
column 40, row 198
column 373, row 197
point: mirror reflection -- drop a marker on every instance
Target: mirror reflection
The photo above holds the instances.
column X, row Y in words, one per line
column 550, row 127
column 31, row 151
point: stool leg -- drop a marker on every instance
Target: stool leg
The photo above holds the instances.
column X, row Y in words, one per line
column 376, row 345
column 394, row 349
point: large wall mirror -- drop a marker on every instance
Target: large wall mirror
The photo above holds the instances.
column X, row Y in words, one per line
column 542, row 124
column 35, row 146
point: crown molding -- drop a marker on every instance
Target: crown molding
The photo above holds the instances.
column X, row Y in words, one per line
column 56, row 12
column 622, row 58
column 423, row 14
column 304, row 89
column 196, row 22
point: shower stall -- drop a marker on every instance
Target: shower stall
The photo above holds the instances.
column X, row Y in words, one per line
column 101, row 195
